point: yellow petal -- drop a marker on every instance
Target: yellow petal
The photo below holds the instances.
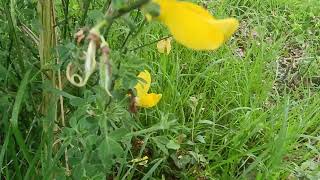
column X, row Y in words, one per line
column 148, row 100
column 164, row 46
column 161, row 46
column 228, row 26
column 143, row 87
column 143, row 99
column 197, row 9
column 193, row 26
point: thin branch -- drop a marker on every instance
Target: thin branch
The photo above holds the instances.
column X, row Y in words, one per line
column 106, row 5
column 144, row 45
column 125, row 10
column 112, row 14
column 132, row 31
column 25, row 30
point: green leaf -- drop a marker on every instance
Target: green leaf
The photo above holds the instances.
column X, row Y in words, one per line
column 49, row 88
column 95, row 15
column 73, row 122
column 15, row 116
column 173, row 145
column 108, row 149
column 91, row 140
column 5, row 73
column 76, row 102
column 119, row 134
column 206, row 122
column 85, row 125
column 201, row 139
column 152, row 8
column 160, row 145
column 117, row 4
column 182, row 161
column 4, row 100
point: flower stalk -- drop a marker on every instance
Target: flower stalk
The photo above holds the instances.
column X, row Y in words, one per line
column 46, row 44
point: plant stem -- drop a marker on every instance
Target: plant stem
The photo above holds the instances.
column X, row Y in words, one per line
column 65, row 4
column 112, row 15
column 46, row 45
column 10, row 14
column 106, row 5
column 132, row 31
column 144, row 45
column 86, row 6
column 125, row 10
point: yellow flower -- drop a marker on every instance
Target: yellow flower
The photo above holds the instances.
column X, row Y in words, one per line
column 193, row 26
column 144, row 99
column 141, row 161
column 164, row 46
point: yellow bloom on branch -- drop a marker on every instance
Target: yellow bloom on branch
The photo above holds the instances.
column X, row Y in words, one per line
column 144, row 99
column 193, row 26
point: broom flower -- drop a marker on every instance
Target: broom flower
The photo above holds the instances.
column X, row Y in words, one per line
column 193, row 26
column 143, row 98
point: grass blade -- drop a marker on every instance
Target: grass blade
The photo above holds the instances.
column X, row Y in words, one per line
column 15, row 116
column 150, row 172
column 4, row 148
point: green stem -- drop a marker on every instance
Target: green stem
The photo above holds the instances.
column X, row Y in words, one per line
column 86, row 6
column 46, row 45
column 144, row 45
column 106, row 5
column 10, row 13
column 125, row 10
column 132, row 31
column 65, row 4
column 110, row 17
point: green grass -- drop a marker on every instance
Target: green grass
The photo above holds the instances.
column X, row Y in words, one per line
column 249, row 110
